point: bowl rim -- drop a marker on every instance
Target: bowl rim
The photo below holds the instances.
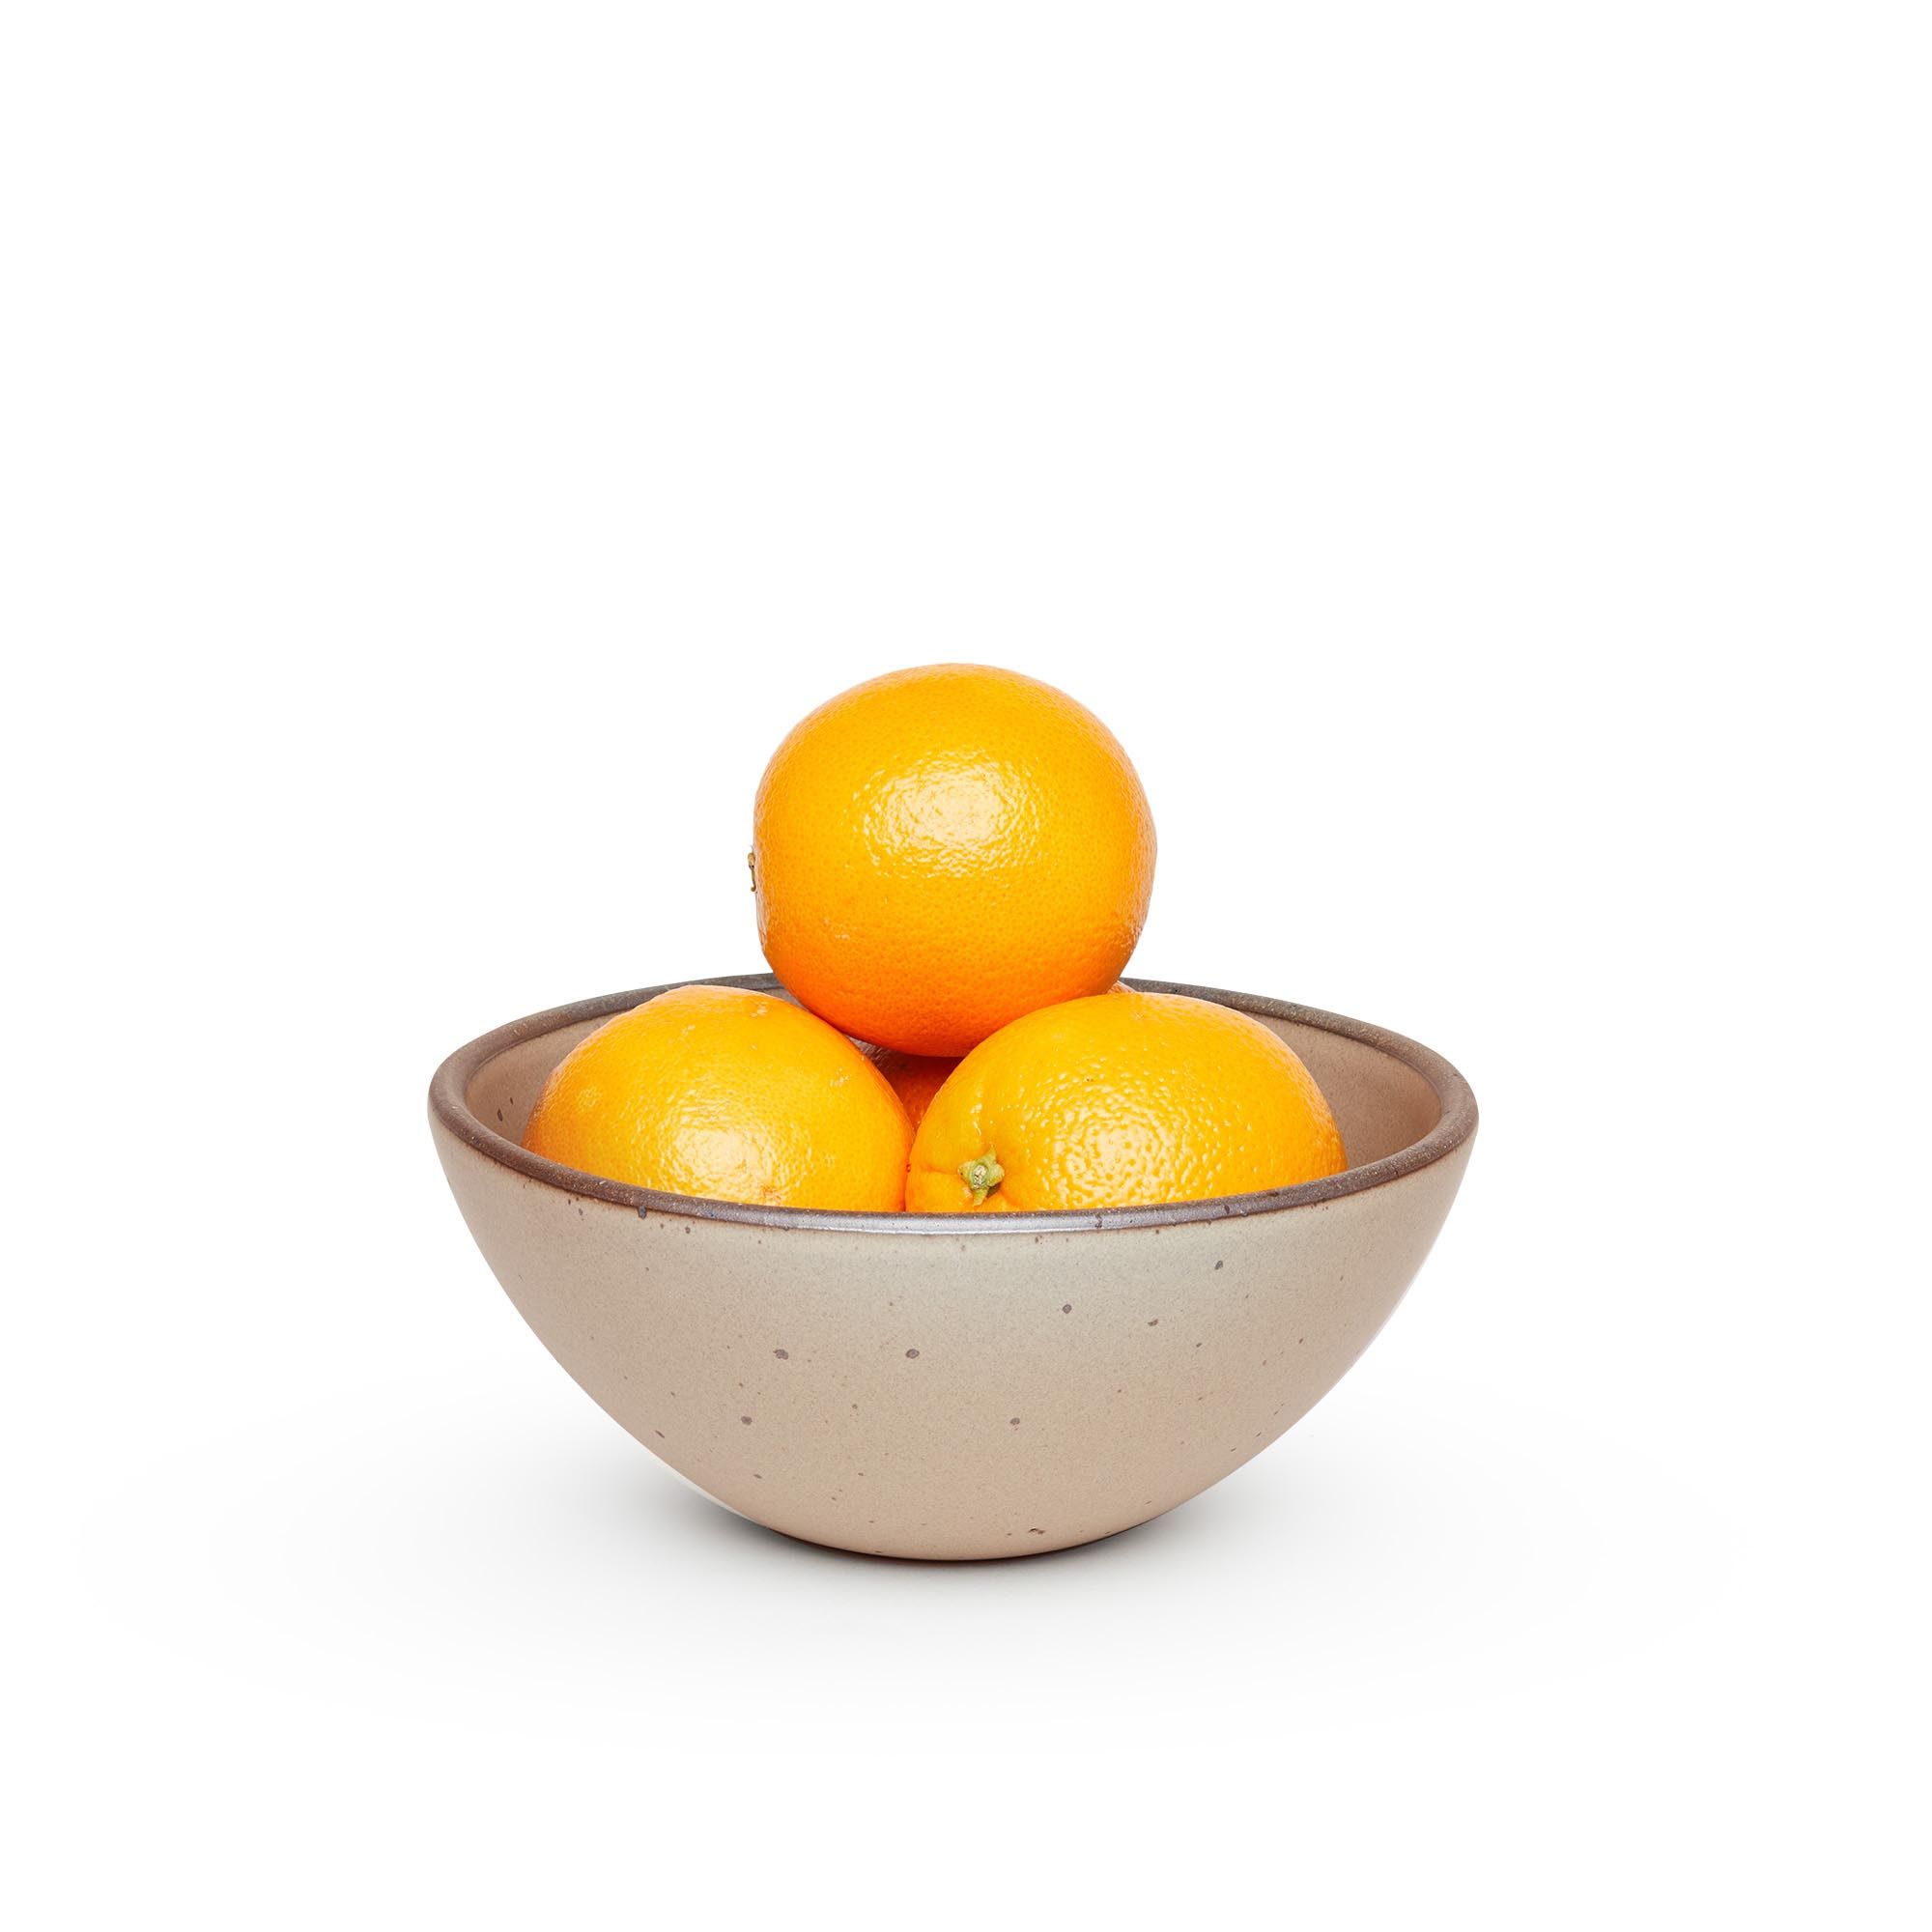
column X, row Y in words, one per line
column 1455, row 1125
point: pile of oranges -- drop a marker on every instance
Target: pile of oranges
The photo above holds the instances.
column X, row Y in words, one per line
column 951, row 866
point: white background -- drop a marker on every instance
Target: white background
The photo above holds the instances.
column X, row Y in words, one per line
column 1476, row 460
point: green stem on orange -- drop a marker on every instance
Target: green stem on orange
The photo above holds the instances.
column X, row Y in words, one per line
column 981, row 1176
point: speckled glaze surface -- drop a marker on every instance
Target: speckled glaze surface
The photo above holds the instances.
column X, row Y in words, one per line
column 957, row 1386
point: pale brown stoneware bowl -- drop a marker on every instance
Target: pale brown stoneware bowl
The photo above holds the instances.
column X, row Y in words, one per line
column 942, row 1385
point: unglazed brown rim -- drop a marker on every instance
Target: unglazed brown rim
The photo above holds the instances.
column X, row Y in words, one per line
column 1458, row 1122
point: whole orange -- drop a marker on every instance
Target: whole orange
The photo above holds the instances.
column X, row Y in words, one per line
column 738, row 1095
column 915, row 1077
column 1119, row 1101
column 940, row 850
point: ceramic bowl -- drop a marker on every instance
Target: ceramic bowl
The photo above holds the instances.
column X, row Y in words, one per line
column 948, row 1386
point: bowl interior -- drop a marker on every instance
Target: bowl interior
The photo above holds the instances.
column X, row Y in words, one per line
column 1381, row 1103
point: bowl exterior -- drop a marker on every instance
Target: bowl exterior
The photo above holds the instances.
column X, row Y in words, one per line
column 939, row 1396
